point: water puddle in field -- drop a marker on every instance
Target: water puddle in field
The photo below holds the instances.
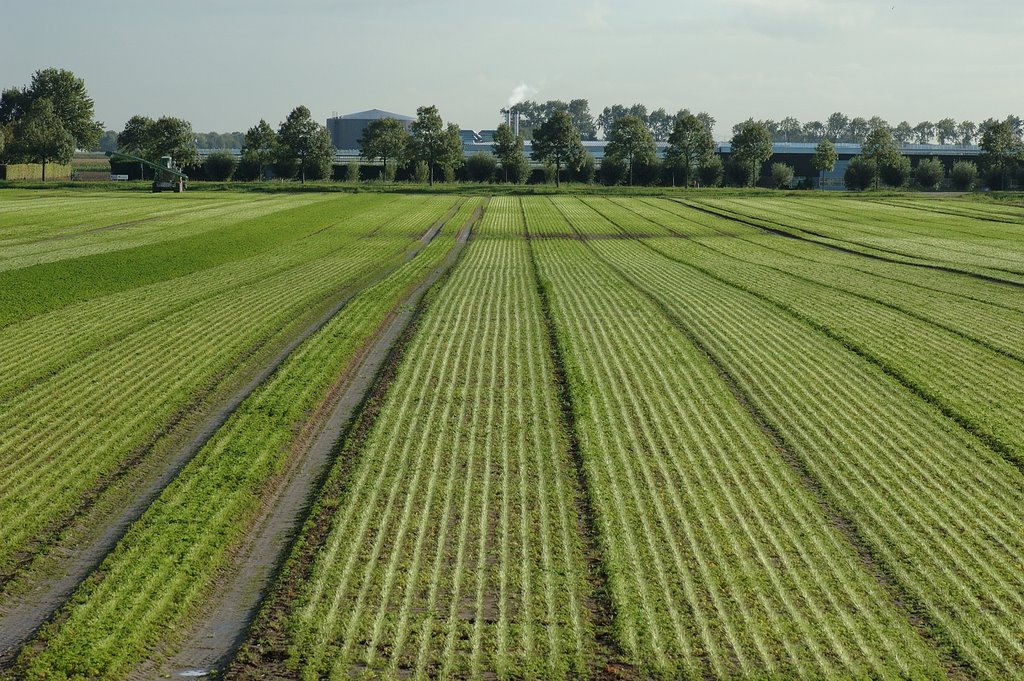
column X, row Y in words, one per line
column 194, row 673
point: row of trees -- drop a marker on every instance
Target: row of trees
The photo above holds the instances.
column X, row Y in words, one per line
column 46, row 120
column 659, row 122
column 841, row 128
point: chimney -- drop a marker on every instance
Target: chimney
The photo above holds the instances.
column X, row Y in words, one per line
column 517, row 123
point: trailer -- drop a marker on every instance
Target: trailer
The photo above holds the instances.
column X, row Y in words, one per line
column 165, row 176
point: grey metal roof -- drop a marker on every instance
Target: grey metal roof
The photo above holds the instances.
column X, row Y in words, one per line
column 374, row 114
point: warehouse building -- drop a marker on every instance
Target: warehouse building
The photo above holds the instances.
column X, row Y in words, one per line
column 346, row 130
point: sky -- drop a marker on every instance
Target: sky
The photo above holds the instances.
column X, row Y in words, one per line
column 225, row 64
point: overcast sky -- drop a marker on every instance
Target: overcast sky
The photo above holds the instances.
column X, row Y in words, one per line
column 224, row 64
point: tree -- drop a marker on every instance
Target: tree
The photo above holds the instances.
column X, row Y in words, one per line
column 789, row 129
column 966, row 131
column 40, row 136
column 135, row 138
column 169, row 136
column 384, row 138
column 924, row 132
column 858, row 130
column 945, row 131
column 433, row 143
column 220, row 166
column 557, row 141
column 689, row 146
column 260, row 146
column 751, row 146
column 579, row 112
column 1002, row 149
column 304, row 145
column 881, row 148
column 861, row 173
column 782, row 175
column 903, row 133
column 107, row 142
column 631, row 141
column 813, row 131
column 824, row 158
column 508, row 148
column 710, row 171
column 609, row 115
column 964, row 175
column 659, row 123
column 481, row 167
column 69, row 99
column 896, row 171
column 929, row 173
column 836, row 127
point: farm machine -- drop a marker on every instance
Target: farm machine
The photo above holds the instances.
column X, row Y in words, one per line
column 165, row 176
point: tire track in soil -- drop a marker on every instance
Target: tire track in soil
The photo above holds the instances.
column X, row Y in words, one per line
column 955, row 666
column 221, row 630
column 261, row 648
column 844, row 249
column 40, row 601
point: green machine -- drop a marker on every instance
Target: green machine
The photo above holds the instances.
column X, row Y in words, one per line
column 165, row 176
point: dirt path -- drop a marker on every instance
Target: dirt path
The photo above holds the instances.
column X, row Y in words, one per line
column 224, row 626
column 33, row 605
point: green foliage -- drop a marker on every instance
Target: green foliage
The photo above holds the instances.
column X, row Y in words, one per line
column 352, row 172
column 166, row 136
column 433, row 143
column 825, row 156
column 929, row 173
column 711, row 171
column 895, row 172
column 260, row 147
column 386, row 139
column 508, row 148
column 586, row 172
column 40, row 137
column 751, row 146
column 481, row 167
column 421, row 172
column 690, row 146
column 861, row 173
column 1002, row 151
column 220, row 166
column 557, row 142
column 304, row 146
column 631, row 142
column 70, row 103
column 736, row 173
column 964, row 175
column 613, row 172
column 34, row 171
column 782, row 175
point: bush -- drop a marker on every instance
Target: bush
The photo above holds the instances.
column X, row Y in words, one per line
column 737, row 174
column 647, row 173
column 896, row 172
column 613, row 171
column 481, row 166
column 782, row 175
column 421, row 172
column 352, row 173
column 964, row 175
column 220, row 166
column 248, row 169
column 448, row 172
column 517, row 172
column 586, row 172
column 860, row 173
column 710, row 172
column 929, row 173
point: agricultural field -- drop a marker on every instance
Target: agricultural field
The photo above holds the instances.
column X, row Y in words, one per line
column 699, row 435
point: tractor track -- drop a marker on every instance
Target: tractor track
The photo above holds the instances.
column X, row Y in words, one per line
column 40, row 600
column 219, row 631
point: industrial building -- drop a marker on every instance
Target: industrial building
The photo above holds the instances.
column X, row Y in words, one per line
column 346, row 130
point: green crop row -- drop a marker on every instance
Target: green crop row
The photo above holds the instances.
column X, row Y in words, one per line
column 721, row 564
column 455, row 551
column 939, row 511
column 70, row 432
column 169, row 561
